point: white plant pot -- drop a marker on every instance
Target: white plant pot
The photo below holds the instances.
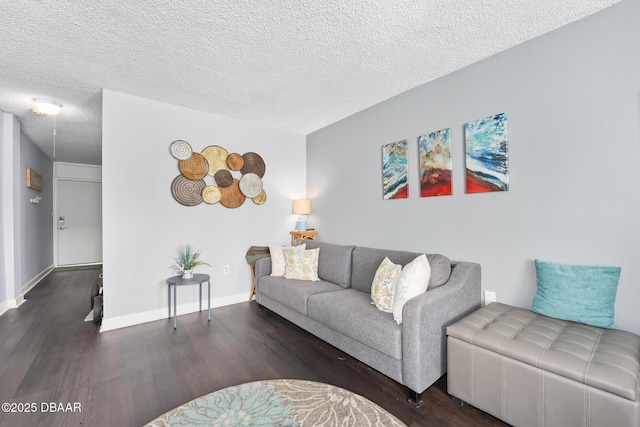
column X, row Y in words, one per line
column 187, row 274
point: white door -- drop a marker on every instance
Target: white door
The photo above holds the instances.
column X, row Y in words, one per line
column 79, row 222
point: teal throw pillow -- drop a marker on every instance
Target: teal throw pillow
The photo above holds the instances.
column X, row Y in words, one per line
column 584, row 294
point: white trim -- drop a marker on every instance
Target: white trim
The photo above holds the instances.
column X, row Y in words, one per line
column 33, row 282
column 77, row 172
column 4, row 307
column 11, row 303
column 86, row 264
column 17, row 302
column 10, row 183
column 109, row 324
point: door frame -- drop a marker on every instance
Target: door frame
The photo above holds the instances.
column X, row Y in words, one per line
column 69, row 172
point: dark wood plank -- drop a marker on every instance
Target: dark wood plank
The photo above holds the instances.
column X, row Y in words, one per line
column 130, row 376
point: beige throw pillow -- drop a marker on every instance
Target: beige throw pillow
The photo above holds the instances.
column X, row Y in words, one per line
column 383, row 285
column 301, row 265
column 277, row 258
column 412, row 281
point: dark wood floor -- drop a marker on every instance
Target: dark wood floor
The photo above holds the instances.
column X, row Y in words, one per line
column 130, row 376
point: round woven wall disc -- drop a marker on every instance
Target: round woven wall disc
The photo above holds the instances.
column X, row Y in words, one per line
column 195, row 167
column 253, row 163
column 260, row 198
column 186, row 191
column 180, row 149
column 217, row 158
column 231, row 196
column 211, row 194
column 235, row 161
column 223, row 178
column 250, row 185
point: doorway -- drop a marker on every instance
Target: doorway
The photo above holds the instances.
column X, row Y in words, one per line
column 79, row 222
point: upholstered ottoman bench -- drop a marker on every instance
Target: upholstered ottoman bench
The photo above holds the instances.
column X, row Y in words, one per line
column 532, row 370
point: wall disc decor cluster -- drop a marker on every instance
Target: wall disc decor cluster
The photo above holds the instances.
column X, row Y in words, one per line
column 190, row 188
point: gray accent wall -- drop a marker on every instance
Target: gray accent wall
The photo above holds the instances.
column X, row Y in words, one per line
column 572, row 97
column 37, row 220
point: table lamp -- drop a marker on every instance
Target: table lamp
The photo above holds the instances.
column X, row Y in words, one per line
column 302, row 207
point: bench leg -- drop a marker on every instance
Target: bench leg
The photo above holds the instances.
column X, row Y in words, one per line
column 415, row 399
column 457, row 401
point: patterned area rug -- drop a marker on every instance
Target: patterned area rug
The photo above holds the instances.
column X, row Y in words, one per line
column 279, row 403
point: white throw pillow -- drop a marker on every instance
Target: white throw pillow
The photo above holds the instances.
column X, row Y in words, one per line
column 301, row 265
column 412, row 281
column 384, row 284
column 277, row 258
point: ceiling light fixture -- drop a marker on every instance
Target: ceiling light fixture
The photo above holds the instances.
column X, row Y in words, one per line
column 46, row 107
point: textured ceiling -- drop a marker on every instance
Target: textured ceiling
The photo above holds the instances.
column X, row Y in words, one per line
column 290, row 64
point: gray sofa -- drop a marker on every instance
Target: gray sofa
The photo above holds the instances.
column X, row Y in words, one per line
column 338, row 310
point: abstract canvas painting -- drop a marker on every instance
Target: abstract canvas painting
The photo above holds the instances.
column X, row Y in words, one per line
column 435, row 163
column 395, row 171
column 487, row 162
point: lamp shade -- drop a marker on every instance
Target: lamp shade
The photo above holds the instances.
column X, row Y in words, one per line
column 302, row 207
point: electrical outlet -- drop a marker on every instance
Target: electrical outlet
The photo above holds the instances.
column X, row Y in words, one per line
column 489, row 297
column 226, row 270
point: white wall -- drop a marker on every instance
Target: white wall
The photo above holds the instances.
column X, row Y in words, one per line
column 143, row 225
column 572, row 98
column 4, row 199
column 10, row 274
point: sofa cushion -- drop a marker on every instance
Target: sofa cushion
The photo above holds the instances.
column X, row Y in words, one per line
column 384, row 285
column 293, row 293
column 301, row 265
column 585, row 294
column 351, row 313
column 334, row 262
column 412, row 281
column 367, row 260
column 277, row 258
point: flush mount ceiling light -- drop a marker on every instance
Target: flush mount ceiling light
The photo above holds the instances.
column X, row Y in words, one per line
column 46, row 107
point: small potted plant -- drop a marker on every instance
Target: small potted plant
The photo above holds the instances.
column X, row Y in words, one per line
column 187, row 260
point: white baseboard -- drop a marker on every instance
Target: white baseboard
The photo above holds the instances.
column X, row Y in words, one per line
column 13, row 303
column 33, row 282
column 19, row 300
column 109, row 324
column 4, row 306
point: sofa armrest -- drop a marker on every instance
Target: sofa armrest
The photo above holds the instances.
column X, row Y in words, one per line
column 424, row 322
column 262, row 267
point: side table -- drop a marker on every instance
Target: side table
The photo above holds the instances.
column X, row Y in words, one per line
column 197, row 279
column 302, row 235
column 254, row 254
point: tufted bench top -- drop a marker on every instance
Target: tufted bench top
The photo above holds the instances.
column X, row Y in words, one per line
column 603, row 358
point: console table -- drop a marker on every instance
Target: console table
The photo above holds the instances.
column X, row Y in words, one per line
column 197, row 279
